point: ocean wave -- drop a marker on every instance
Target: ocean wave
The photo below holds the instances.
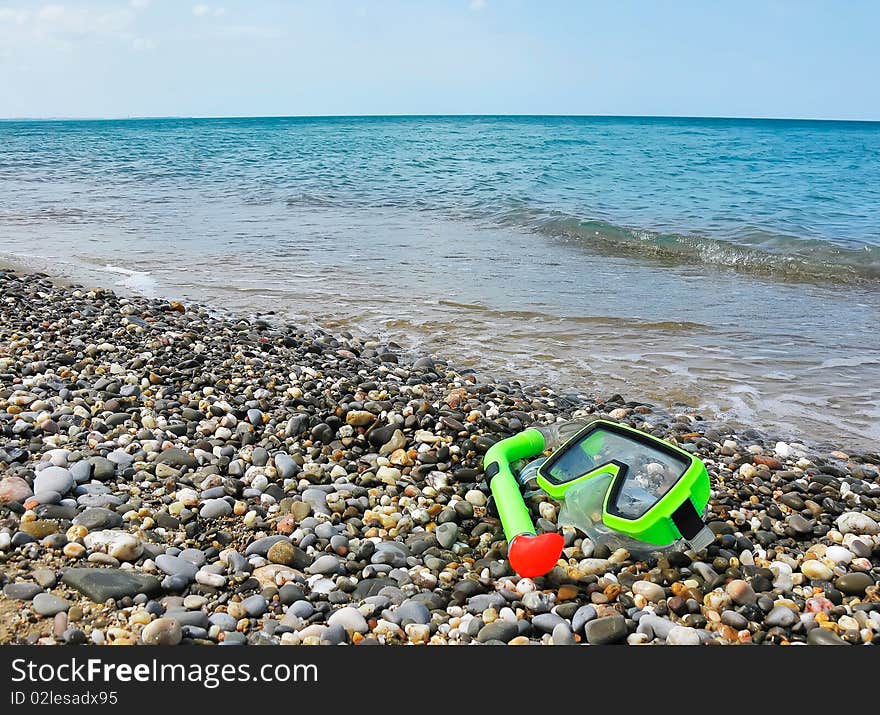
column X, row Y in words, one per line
column 749, row 251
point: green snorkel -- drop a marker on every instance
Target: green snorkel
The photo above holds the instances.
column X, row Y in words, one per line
column 617, row 485
column 529, row 554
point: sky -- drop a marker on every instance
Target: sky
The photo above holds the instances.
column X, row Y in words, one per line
column 739, row 58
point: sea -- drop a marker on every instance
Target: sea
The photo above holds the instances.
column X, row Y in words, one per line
column 727, row 266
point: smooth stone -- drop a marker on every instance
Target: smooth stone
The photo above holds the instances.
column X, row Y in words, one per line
column 822, row 636
column 100, row 584
column 781, row 616
column 546, row 622
column 194, row 556
column 102, row 469
column 81, row 472
column 741, row 592
column 854, row 584
column 223, row 621
column 285, row 465
column 652, row 591
column 816, row 570
column 261, row 547
column 176, row 457
column 447, row 534
column 682, row 635
column 286, row 553
column 14, row 489
column 317, row 499
column 324, row 565
column 47, row 578
column 118, row 544
column 96, row 518
column 581, row 617
column 197, row 619
column 350, row 619
column 334, row 635
column 21, row 591
column 657, row 626
column 48, row 605
column 176, row 566
column 411, row 611
column 259, row 457
column 215, row 509
column 734, row 620
column 498, row 630
column 162, row 631
column 839, row 554
column 562, row 635
column 53, row 479
column 606, row 630
column 853, row 522
column 255, row 605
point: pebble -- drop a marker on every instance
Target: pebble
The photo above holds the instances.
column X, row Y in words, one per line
column 255, row 605
column 606, row 630
column 53, row 479
column 498, row 631
column 48, row 605
column 14, row 489
column 325, row 565
column 854, row 584
column 162, row 631
column 854, row 522
column 475, row 497
column 21, row 591
column 447, row 534
column 350, row 619
column 176, row 566
column 839, row 554
column 562, row 635
column 215, row 509
column 781, row 616
column 99, row 584
column 651, row 591
column 816, row 570
column 823, row 636
column 581, row 617
column 682, row 635
column 741, row 592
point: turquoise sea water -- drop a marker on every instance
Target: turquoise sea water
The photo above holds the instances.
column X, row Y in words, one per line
column 730, row 265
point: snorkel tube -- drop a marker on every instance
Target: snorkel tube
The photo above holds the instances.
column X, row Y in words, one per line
column 529, row 554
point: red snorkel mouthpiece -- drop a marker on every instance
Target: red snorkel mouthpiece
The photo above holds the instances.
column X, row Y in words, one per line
column 532, row 555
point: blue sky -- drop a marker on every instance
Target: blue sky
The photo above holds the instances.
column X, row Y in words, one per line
column 112, row 58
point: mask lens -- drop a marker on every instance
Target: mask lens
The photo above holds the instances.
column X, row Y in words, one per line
column 579, row 459
column 649, row 475
column 649, row 471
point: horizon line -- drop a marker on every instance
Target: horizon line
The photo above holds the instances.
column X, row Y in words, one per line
column 137, row 117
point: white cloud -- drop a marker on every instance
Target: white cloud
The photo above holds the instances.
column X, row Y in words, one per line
column 142, row 44
column 7, row 14
column 202, row 10
column 138, row 4
column 53, row 13
column 52, row 19
column 477, row 5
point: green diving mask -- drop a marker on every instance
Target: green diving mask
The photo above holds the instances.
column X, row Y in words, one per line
column 618, row 485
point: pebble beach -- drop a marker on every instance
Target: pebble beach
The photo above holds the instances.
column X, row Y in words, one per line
column 174, row 475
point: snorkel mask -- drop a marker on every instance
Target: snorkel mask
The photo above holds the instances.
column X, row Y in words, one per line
column 620, row 486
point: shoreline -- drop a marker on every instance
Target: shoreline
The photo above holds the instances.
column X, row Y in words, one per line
column 259, row 483
column 803, row 438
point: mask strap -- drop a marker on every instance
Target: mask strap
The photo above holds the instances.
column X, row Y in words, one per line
column 692, row 527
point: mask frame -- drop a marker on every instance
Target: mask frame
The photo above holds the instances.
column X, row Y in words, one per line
column 673, row 515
